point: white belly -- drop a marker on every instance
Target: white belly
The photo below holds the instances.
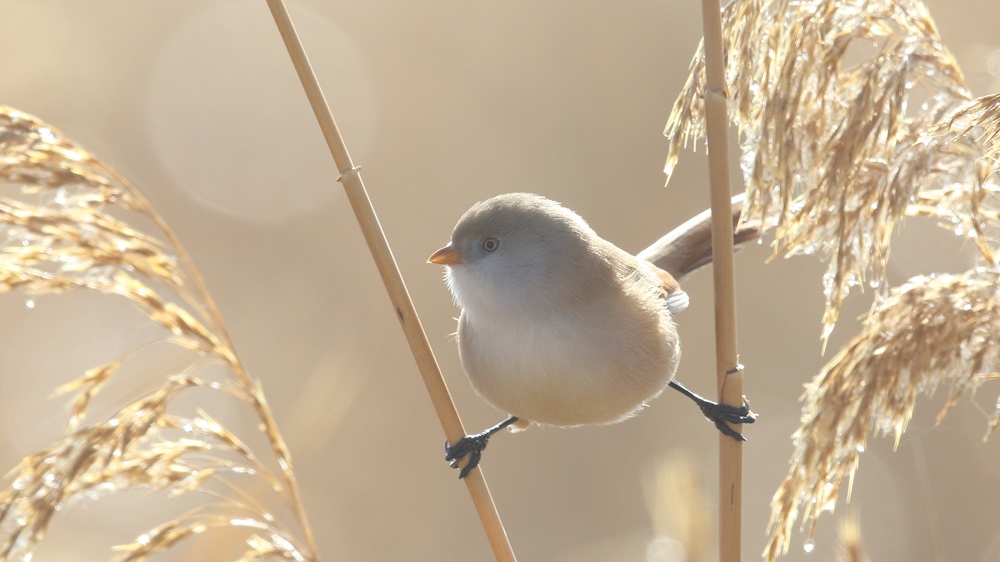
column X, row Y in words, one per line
column 556, row 371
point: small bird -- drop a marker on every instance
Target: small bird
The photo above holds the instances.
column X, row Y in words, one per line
column 559, row 326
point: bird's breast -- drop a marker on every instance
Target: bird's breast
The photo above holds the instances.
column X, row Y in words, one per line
column 597, row 364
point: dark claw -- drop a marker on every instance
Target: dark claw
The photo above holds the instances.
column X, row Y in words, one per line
column 472, row 445
column 719, row 414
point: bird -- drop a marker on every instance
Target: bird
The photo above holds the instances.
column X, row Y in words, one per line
column 558, row 326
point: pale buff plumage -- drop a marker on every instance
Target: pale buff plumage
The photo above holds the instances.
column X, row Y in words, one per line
column 558, row 326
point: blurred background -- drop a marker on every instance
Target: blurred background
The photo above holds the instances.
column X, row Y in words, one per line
column 444, row 104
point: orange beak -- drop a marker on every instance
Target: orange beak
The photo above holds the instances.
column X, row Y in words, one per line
column 446, row 256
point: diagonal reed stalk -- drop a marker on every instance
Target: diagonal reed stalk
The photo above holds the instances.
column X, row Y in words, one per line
column 378, row 245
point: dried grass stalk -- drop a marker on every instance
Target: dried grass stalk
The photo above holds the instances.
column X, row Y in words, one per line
column 931, row 330
column 59, row 211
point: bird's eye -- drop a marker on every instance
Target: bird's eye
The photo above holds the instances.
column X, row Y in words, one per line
column 491, row 244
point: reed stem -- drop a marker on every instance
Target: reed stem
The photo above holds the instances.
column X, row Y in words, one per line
column 350, row 178
column 728, row 370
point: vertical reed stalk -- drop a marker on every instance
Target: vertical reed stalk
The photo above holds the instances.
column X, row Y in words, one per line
column 379, row 247
column 729, row 376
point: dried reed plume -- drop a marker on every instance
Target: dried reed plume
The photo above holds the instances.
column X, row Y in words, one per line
column 930, row 330
column 851, row 548
column 852, row 115
column 681, row 515
column 833, row 153
column 62, row 235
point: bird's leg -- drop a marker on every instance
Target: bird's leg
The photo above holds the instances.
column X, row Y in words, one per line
column 472, row 445
column 720, row 413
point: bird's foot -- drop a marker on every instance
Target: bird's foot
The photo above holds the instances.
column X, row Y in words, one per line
column 472, row 446
column 719, row 414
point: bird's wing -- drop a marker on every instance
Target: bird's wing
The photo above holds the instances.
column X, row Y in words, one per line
column 627, row 265
column 677, row 299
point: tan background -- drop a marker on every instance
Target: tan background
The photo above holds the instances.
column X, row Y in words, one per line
column 444, row 104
